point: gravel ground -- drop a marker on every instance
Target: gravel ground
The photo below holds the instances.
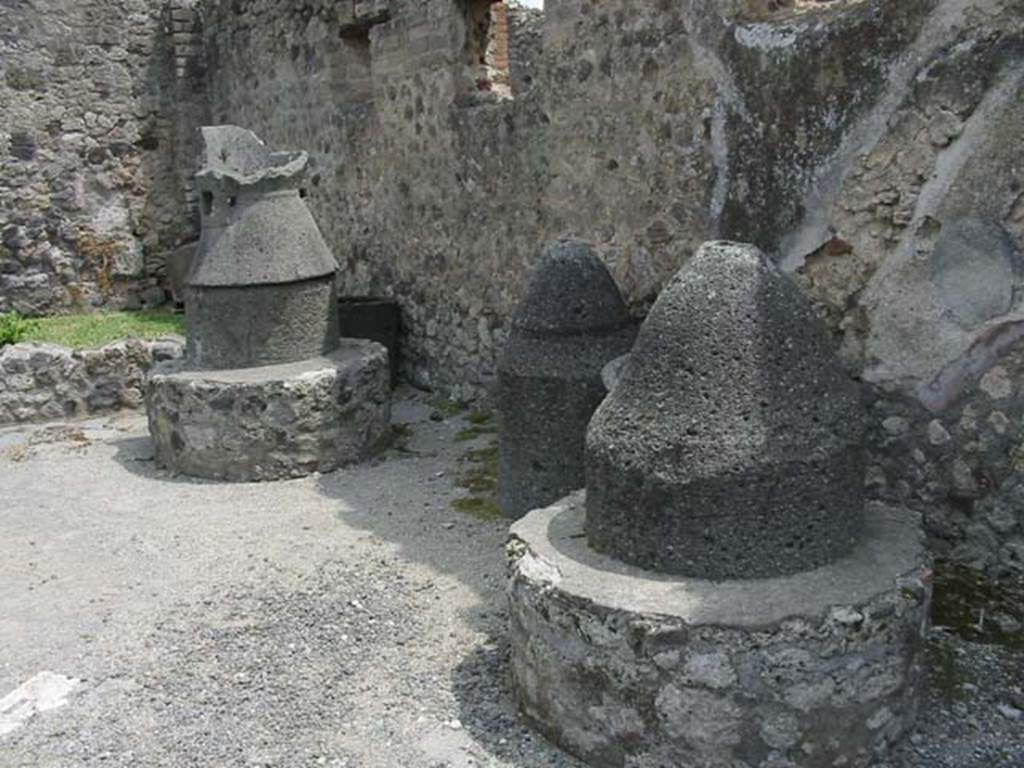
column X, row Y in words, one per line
column 350, row 620
column 973, row 714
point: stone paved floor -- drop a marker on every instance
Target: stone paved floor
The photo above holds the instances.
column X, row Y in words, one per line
column 350, row 620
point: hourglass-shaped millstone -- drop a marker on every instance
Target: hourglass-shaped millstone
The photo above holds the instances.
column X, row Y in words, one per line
column 570, row 322
column 261, row 290
column 731, row 445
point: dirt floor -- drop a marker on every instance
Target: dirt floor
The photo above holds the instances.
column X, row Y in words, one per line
column 352, row 620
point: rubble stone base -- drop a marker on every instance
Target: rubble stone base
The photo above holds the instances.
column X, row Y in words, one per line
column 271, row 422
column 625, row 667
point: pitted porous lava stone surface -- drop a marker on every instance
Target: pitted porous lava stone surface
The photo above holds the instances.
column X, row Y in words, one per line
column 570, row 323
column 731, row 446
column 569, row 292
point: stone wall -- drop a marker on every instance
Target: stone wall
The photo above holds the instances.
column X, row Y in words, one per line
column 921, row 277
column 675, row 123
column 427, row 180
column 46, row 381
column 89, row 185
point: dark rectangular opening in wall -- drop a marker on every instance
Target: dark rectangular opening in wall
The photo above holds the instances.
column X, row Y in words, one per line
column 486, row 50
column 355, row 68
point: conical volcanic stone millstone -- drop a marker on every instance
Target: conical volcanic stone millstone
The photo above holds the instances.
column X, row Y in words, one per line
column 570, row 322
column 261, row 288
column 731, row 446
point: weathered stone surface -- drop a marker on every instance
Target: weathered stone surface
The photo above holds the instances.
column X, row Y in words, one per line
column 569, row 324
column 731, row 446
column 807, row 671
column 262, row 324
column 648, row 128
column 612, row 372
column 46, row 381
column 975, row 264
column 261, row 290
column 569, row 293
column 271, row 422
column 961, row 466
column 90, row 197
column 419, row 184
column 179, row 262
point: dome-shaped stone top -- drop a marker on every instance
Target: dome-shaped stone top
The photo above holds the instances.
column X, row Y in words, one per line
column 569, row 292
column 731, row 445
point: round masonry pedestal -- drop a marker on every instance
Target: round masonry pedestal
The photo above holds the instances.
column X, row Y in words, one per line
column 271, row 422
column 626, row 667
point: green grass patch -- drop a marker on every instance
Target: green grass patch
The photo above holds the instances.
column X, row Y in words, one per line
column 13, row 328
column 472, row 433
column 479, row 418
column 480, row 480
column 97, row 329
column 977, row 608
column 447, row 406
column 478, row 506
column 479, row 424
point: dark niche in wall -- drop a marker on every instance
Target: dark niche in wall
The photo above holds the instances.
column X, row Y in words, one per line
column 354, row 72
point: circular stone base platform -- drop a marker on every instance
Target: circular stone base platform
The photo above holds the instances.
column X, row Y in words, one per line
column 272, row 422
column 625, row 667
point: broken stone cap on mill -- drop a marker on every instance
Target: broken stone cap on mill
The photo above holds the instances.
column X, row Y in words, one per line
column 237, row 160
column 256, row 228
column 569, row 292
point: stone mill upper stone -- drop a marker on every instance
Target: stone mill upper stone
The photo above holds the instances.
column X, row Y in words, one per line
column 261, row 288
column 570, row 322
column 570, row 292
column 250, row 235
column 731, row 445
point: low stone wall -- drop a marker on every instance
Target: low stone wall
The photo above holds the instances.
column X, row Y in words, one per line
column 271, row 422
column 625, row 667
column 46, row 381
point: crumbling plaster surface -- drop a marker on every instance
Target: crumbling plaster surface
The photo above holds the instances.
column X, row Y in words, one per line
column 917, row 264
column 88, row 185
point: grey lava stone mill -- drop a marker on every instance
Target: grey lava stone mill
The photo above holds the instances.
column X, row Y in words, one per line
column 569, row 324
column 731, row 446
column 268, row 389
column 261, row 290
column 720, row 595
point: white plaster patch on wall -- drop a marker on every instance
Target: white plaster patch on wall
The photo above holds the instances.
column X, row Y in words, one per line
column 43, row 692
column 766, row 37
column 863, row 137
column 112, row 216
column 720, row 155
